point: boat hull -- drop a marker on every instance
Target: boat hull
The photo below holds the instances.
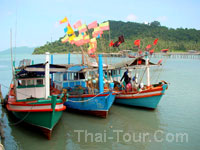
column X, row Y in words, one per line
column 148, row 99
column 41, row 113
column 97, row 105
column 46, row 121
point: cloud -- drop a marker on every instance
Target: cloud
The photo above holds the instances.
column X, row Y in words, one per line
column 161, row 18
column 131, row 17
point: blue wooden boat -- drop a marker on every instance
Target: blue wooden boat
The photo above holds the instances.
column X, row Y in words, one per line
column 86, row 90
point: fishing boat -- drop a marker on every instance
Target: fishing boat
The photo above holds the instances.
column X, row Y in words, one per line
column 87, row 92
column 135, row 93
column 32, row 100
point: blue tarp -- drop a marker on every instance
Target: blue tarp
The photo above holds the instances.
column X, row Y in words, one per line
column 76, row 68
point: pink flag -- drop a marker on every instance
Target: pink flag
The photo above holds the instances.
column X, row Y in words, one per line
column 151, row 51
column 105, row 28
column 92, row 50
column 159, row 62
column 92, row 25
column 77, row 24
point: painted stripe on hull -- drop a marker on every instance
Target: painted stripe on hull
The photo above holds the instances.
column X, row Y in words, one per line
column 26, row 108
column 149, row 102
column 138, row 95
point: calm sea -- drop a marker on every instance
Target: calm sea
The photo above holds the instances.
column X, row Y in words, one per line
column 175, row 124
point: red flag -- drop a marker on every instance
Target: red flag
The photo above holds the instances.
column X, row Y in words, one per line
column 137, row 43
column 159, row 62
column 164, row 50
column 139, row 62
column 92, row 56
column 77, row 24
column 151, row 51
column 92, row 25
column 111, row 43
column 148, row 46
column 121, row 39
column 140, row 52
column 155, row 41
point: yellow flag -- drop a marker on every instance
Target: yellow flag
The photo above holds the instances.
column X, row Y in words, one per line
column 104, row 24
column 93, row 40
column 70, row 30
column 71, row 38
column 65, row 39
column 63, row 20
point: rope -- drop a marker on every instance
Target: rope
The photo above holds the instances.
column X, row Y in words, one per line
column 17, row 92
column 87, row 99
column 16, row 123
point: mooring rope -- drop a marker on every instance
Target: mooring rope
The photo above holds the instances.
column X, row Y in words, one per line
column 88, row 99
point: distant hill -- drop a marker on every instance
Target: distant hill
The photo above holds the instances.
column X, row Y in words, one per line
column 19, row 50
column 175, row 39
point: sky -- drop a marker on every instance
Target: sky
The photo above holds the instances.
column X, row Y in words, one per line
column 36, row 22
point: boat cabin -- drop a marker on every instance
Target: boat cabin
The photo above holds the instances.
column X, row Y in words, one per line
column 74, row 76
column 33, row 87
column 30, row 80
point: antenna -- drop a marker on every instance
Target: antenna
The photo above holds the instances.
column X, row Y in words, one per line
column 11, row 53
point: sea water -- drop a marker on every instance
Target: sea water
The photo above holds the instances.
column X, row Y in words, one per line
column 175, row 124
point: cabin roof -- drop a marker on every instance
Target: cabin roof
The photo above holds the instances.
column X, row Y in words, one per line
column 40, row 69
column 131, row 63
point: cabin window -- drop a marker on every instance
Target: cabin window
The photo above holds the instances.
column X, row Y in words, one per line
column 30, row 82
column 57, row 77
column 21, row 82
column 119, row 72
column 39, row 82
column 112, row 73
column 81, row 75
column 75, row 76
column 71, row 76
column 64, row 76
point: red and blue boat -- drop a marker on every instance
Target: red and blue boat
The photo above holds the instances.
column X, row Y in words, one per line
column 87, row 92
column 135, row 93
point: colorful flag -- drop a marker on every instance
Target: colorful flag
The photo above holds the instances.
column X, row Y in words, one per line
column 111, row 43
column 164, row 50
column 65, row 39
column 121, row 39
column 159, row 62
column 148, row 47
column 63, row 20
column 86, row 38
column 82, row 28
column 140, row 52
column 93, row 40
column 137, row 43
column 104, row 26
column 92, row 56
column 77, row 24
column 65, row 29
column 151, row 51
column 92, row 25
column 69, row 29
column 71, row 37
column 155, row 41
column 139, row 62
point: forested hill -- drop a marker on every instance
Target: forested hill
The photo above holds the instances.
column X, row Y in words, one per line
column 175, row 39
